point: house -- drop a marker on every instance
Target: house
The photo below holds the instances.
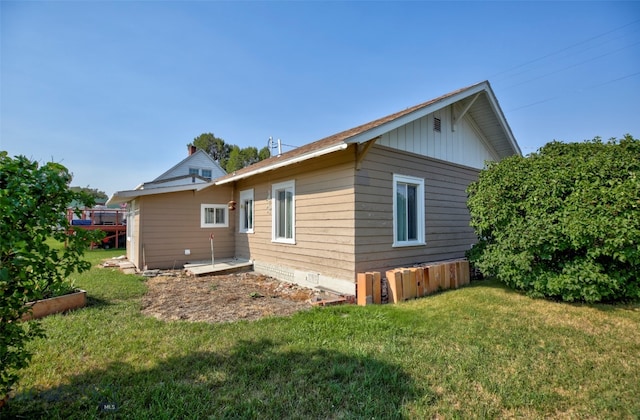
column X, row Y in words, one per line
column 197, row 167
column 385, row 194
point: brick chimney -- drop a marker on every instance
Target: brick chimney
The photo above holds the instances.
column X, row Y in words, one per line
column 192, row 149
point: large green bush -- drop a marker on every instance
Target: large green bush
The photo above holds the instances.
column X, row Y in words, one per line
column 564, row 222
column 33, row 208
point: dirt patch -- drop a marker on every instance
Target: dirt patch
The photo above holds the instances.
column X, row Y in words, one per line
column 224, row 298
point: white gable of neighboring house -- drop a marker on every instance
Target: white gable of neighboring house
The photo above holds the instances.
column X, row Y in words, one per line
column 198, row 164
column 181, row 177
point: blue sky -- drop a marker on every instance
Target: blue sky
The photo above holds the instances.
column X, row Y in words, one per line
column 115, row 89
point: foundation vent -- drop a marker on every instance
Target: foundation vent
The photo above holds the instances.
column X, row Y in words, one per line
column 313, row 278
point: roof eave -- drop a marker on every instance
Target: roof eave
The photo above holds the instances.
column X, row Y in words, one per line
column 329, row 149
column 493, row 100
column 128, row 195
column 418, row 113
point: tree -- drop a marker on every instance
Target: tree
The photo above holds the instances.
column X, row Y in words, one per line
column 214, row 146
column 98, row 195
column 229, row 156
column 235, row 161
column 33, row 208
column 241, row 158
column 564, row 222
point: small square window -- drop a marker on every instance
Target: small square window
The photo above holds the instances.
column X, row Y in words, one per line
column 214, row 215
column 194, row 171
column 206, row 173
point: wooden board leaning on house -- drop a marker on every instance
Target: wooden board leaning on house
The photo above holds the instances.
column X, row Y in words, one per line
column 407, row 283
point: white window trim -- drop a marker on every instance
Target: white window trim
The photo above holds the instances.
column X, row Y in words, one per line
column 214, row 225
column 419, row 182
column 245, row 195
column 274, row 206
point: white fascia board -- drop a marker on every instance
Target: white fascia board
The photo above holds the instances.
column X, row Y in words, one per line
column 503, row 121
column 286, row 162
column 417, row 114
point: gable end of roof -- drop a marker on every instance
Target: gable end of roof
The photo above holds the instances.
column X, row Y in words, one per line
column 365, row 132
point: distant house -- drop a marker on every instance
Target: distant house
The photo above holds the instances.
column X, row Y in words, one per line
column 198, row 167
column 385, row 194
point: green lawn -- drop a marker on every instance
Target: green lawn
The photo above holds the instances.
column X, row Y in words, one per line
column 480, row 351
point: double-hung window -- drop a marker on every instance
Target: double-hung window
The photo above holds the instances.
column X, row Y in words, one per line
column 408, row 211
column 214, row 215
column 283, row 212
column 246, row 211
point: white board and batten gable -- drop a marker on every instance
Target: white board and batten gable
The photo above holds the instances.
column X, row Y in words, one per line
column 466, row 127
column 432, row 136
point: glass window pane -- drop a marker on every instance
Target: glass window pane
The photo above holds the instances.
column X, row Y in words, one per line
column 249, row 214
column 401, row 212
column 220, row 213
column 412, row 213
column 289, row 214
column 282, row 211
column 209, row 215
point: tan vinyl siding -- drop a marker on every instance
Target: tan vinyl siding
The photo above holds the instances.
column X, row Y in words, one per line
column 170, row 223
column 448, row 234
column 324, row 225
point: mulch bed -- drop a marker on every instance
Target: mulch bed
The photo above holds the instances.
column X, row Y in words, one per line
column 225, row 298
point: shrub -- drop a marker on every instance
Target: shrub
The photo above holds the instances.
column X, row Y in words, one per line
column 564, row 222
column 33, row 208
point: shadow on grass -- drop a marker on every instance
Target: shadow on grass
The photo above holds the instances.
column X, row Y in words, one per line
column 255, row 379
column 94, row 302
column 493, row 284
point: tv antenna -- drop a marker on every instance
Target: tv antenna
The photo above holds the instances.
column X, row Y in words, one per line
column 275, row 144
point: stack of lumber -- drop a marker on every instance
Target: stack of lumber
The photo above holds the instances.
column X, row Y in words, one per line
column 412, row 282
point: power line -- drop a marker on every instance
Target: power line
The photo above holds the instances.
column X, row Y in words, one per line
column 564, row 49
column 575, row 64
column 572, row 66
column 614, row 80
column 574, row 91
column 569, row 54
